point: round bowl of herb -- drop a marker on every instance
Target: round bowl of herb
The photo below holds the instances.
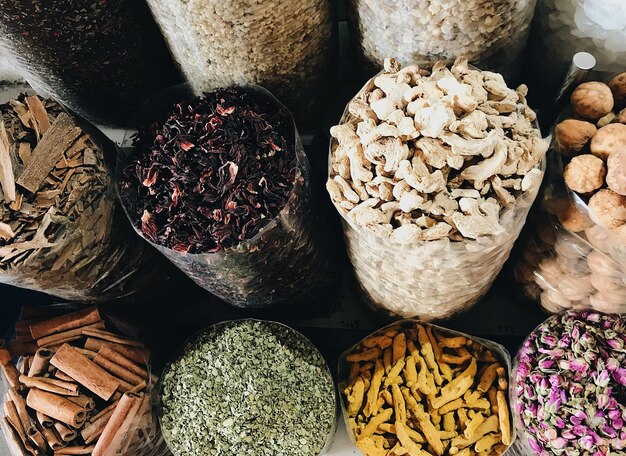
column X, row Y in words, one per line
column 249, row 387
column 219, row 183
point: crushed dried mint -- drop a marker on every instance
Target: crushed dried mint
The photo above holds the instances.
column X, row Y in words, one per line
column 248, row 387
column 569, row 385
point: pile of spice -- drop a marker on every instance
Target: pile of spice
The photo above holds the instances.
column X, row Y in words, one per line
column 100, row 58
column 434, row 170
column 61, row 229
column 78, row 389
column 220, row 185
column 248, row 387
column 413, row 389
column 569, row 386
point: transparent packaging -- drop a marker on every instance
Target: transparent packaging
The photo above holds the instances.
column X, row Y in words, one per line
column 138, row 435
column 75, row 244
column 99, row 58
column 277, row 328
column 289, row 258
column 343, row 375
column 492, row 34
column 285, row 46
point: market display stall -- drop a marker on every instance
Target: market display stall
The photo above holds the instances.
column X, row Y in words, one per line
column 178, row 285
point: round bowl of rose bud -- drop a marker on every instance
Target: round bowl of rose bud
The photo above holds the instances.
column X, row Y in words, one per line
column 568, row 389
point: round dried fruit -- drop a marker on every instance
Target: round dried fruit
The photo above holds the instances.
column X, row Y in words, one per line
column 584, row 174
column 609, row 139
column 616, row 171
column 608, row 209
column 592, row 100
column 572, row 135
column 618, row 87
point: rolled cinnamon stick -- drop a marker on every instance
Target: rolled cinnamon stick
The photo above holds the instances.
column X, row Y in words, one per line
column 44, row 421
column 23, row 365
column 117, row 370
column 138, row 355
column 65, row 433
column 52, row 439
column 85, row 372
column 103, row 412
column 8, row 368
column 63, row 376
column 124, row 432
column 36, row 437
column 111, row 337
column 65, row 323
column 55, row 339
column 85, row 402
column 127, row 407
column 40, row 362
column 51, row 385
column 94, row 429
column 74, row 450
column 121, row 360
column 13, row 440
column 20, row 407
column 57, row 407
column 12, row 417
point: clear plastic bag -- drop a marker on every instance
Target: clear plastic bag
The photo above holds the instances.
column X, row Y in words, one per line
column 344, row 369
column 289, row 339
column 492, row 34
column 291, row 257
column 64, row 232
column 566, row 383
column 99, row 58
column 111, row 407
column 286, row 47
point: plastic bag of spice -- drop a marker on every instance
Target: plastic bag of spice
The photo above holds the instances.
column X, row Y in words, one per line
column 431, row 201
column 77, row 382
column 102, row 59
column 286, row 47
column 221, row 186
column 62, row 231
column 576, row 257
column 492, row 34
column 568, row 384
column 386, row 378
column 240, row 357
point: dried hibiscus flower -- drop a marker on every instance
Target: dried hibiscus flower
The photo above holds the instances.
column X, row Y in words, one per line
column 212, row 172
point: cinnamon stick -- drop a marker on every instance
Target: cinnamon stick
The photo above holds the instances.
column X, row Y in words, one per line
column 52, row 439
column 63, row 376
column 85, row 372
column 121, row 360
column 74, row 450
column 36, row 437
column 57, row 407
column 117, row 370
column 20, row 407
column 85, row 402
column 65, row 322
column 8, row 368
column 40, row 362
column 65, row 433
column 44, row 421
column 94, row 429
column 13, row 440
column 51, row 385
column 116, row 429
column 109, row 408
column 23, row 365
column 138, row 355
column 55, row 339
column 12, row 417
column 111, row 337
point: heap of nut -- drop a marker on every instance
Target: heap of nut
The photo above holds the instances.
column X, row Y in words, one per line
column 416, row 390
column 431, row 154
column 594, row 142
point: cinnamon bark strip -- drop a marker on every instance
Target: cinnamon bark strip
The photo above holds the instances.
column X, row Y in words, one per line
column 44, row 421
column 74, row 450
column 138, row 355
column 85, row 372
column 63, row 376
column 20, row 407
column 51, row 385
column 94, row 430
column 127, row 407
column 56, row 407
column 55, row 339
column 88, row 353
column 84, row 401
column 117, row 370
column 36, row 437
column 109, row 408
column 8, row 368
column 23, row 365
column 65, row 323
column 65, row 433
column 13, row 440
column 111, row 337
column 124, row 432
column 124, row 362
column 52, row 439
column 13, row 419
